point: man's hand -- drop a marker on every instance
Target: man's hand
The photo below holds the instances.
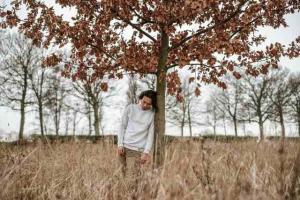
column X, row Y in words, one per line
column 145, row 157
column 120, row 151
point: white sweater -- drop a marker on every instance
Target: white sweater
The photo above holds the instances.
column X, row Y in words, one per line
column 137, row 129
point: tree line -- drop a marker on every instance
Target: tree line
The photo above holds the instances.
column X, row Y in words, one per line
column 28, row 86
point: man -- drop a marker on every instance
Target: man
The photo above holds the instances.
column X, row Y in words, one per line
column 136, row 135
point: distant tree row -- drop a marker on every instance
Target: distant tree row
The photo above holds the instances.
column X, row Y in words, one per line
column 274, row 98
column 27, row 86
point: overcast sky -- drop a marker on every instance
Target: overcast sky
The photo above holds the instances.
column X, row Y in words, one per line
column 9, row 120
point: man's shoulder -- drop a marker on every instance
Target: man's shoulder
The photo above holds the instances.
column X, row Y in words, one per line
column 129, row 105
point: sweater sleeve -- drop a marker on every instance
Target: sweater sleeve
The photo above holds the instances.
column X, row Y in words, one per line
column 150, row 137
column 123, row 126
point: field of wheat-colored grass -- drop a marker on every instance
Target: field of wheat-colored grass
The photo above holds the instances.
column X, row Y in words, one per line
column 192, row 170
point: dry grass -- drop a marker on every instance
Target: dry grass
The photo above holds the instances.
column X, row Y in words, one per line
column 192, row 170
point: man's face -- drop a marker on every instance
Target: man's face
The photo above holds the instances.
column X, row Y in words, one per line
column 146, row 103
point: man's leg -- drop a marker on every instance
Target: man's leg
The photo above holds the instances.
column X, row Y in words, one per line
column 133, row 166
column 122, row 161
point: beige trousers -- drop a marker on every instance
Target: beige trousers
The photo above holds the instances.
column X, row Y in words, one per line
column 131, row 167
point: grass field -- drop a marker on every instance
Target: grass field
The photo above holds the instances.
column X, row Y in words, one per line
column 193, row 170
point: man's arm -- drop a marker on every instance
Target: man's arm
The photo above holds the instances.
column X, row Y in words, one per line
column 124, row 122
column 150, row 137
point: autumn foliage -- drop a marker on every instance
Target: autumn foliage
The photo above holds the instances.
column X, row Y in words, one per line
column 206, row 32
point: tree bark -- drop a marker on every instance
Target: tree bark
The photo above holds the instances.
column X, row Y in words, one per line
column 159, row 120
column 181, row 128
column 261, row 126
column 23, row 104
column 57, row 114
column 40, row 102
column 215, row 121
column 281, row 123
column 74, row 122
column 224, row 126
column 235, row 126
column 90, row 120
column 96, row 118
column 41, row 116
column 22, row 121
column 214, row 127
column 189, row 119
column 67, row 125
column 298, row 116
column 183, row 118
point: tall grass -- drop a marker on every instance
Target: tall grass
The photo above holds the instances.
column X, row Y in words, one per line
column 192, row 170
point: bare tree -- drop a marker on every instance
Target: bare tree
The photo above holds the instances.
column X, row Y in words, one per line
column 18, row 58
column 294, row 85
column 258, row 90
column 79, row 104
column 185, row 111
column 280, row 96
column 58, row 91
column 67, row 121
column 73, row 108
column 94, row 95
column 214, row 113
column 41, row 89
column 230, row 102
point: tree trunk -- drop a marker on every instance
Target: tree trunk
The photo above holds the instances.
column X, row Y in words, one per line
column 41, row 116
column 299, row 126
column 215, row 121
column 261, row 127
column 235, row 126
column 159, row 125
column 224, row 126
column 181, row 128
column 159, row 128
column 298, row 116
column 22, row 121
column 90, row 120
column 214, row 127
column 67, row 125
column 275, row 126
column 56, row 117
column 74, row 122
column 40, row 102
column 23, row 104
column 281, row 123
column 96, row 118
column 56, row 122
column 189, row 119
column 183, row 118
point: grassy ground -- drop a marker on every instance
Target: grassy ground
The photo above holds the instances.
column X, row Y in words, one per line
column 192, row 170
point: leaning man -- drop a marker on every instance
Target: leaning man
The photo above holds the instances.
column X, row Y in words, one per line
column 136, row 135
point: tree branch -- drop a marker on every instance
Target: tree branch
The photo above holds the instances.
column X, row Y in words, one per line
column 140, row 17
column 199, row 32
column 136, row 27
